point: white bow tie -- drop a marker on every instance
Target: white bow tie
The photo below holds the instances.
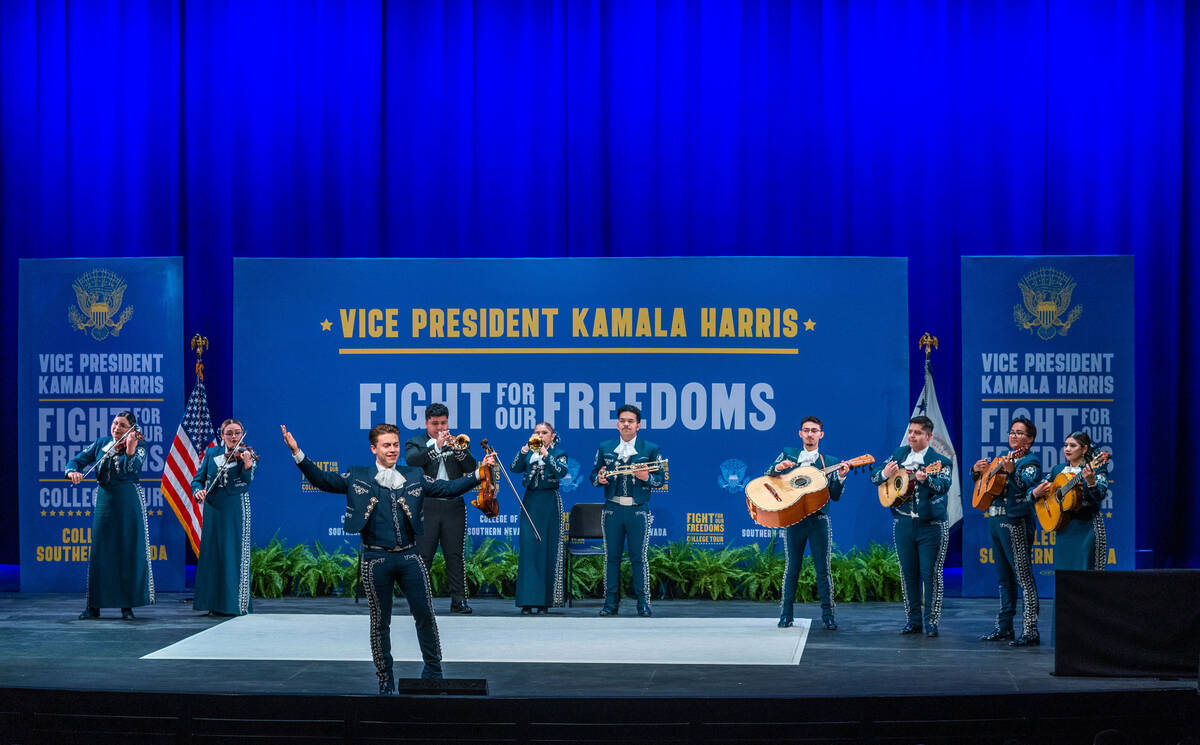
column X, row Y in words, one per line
column 389, row 479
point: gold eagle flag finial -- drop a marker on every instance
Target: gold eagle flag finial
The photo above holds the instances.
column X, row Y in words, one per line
column 927, row 342
column 199, row 344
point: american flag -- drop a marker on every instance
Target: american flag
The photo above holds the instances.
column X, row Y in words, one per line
column 184, row 460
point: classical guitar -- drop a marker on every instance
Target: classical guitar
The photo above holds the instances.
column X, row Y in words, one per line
column 899, row 488
column 1065, row 495
column 786, row 499
column 991, row 482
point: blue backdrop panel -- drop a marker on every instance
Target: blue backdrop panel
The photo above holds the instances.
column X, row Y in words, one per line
column 723, row 355
column 1050, row 338
column 83, row 359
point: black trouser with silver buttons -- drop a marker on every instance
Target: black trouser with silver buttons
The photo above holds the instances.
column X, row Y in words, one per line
column 379, row 570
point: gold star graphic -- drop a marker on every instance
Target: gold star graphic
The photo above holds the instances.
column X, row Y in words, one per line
column 88, row 513
column 809, row 325
column 70, row 513
column 61, row 513
column 326, row 324
column 43, row 513
column 160, row 512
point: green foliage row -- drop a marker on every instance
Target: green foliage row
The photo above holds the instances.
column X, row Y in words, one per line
column 677, row 570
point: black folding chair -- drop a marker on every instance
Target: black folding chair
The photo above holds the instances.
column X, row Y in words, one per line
column 585, row 524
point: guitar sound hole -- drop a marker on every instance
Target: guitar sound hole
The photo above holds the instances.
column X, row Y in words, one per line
column 800, row 482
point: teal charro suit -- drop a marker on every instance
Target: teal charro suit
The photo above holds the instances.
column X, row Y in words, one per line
column 1010, row 525
column 223, row 566
column 1082, row 543
column 815, row 530
column 119, row 572
column 388, row 521
column 632, row 521
column 921, row 532
column 540, row 563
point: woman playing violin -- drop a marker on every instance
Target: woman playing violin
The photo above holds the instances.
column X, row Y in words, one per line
column 222, row 485
column 1081, row 543
column 119, row 574
column 540, row 565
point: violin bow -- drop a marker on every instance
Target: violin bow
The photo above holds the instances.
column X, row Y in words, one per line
column 504, row 471
column 112, row 451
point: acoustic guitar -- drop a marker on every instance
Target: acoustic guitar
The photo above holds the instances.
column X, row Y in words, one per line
column 1054, row 508
column 786, row 499
column 991, row 482
column 899, row 488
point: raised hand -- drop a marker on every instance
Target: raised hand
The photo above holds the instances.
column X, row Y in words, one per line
column 289, row 440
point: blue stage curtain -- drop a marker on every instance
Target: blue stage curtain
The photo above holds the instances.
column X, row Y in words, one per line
column 625, row 128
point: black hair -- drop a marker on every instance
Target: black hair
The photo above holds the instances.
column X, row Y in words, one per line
column 433, row 410
column 923, row 422
column 812, row 419
column 631, row 409
column 1030, row 429
column 129, row 417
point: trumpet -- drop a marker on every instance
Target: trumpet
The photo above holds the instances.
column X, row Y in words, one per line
column 626, row 469
column 535, row 443
column 459, row 442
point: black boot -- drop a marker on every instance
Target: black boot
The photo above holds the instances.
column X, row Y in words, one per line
column 997, row 635
column 387, row 685
column 127, row 614
column 89, row 613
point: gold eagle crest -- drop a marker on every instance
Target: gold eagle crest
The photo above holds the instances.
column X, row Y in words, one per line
column 99, row 295
column 1047, row 295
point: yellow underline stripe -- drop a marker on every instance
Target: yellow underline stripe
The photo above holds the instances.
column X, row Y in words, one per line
column 1074, row 400
column 112, row 400
column 572, row 350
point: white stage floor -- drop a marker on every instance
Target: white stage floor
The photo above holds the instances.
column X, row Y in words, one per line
column 621, row 640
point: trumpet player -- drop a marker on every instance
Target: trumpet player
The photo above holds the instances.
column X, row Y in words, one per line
column 443, row 456
column 626, row 514
column 540, row 564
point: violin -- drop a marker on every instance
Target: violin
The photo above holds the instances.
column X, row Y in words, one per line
column 237, row 452
column 486, row 501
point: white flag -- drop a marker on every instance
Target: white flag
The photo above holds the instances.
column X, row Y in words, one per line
column 927, row 405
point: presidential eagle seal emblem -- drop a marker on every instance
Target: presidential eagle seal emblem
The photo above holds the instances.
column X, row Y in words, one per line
column 99, row 295
column 1047, row 296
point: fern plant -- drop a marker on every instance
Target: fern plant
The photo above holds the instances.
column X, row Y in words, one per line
column 321, row 572
column 763, row 576
column 268, row 570
column 716, row 574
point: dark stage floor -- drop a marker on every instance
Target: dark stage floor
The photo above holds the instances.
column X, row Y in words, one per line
column 65, row 680
column 42, row 644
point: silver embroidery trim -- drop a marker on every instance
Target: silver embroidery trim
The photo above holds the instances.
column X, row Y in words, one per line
column 828, row 558
column 437, row 637
column 903, row 571
column 244, row 558
column 939, row 582
column 559, row 599
column 1100, row 551
column 1024, row 571
column 146, row 536
column 367, row 577
column 604, row 537
column 649, row 520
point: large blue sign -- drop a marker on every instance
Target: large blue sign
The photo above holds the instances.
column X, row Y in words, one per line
column 1049, row 338
column 97, row 337
column 723, row 355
